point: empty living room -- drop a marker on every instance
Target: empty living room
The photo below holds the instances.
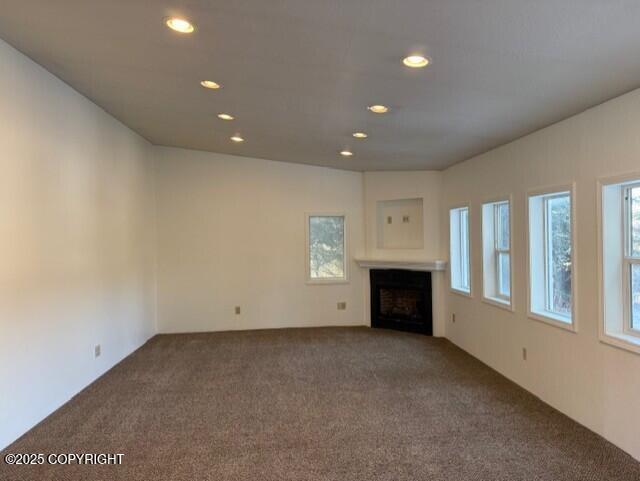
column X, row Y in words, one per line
column 332, row 240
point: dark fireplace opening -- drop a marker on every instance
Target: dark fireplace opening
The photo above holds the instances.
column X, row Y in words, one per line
column 401, row 303
column 401, row 300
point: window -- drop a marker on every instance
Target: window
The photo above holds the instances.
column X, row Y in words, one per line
column 496, row 246
column 326, row 247
column 459, row 249
column 620, row 268
column 557, row 210
column 551, row 257
column 631, row 263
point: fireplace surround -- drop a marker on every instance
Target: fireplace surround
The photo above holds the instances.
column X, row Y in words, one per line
column 401, row 299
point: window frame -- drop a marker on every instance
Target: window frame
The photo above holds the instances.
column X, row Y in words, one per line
column 501, row 301
column 549, row 317
column 345, row 246
column 465, row 251
column 628, row 259
column 498, row 251
column 611, row 321
column 452, row 288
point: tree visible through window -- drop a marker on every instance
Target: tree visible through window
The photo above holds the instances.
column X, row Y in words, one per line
column 326, row 247
column 551, row 257
column 558, row 241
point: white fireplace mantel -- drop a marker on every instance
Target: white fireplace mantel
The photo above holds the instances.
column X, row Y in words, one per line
column 414, row 265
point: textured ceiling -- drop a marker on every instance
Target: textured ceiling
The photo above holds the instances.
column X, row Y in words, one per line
column 298, row 74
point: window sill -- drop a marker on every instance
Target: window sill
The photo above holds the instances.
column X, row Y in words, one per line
column 507, row 306
column 326, row 282
column 621, row 340
column 462, row 293
column 553, row 320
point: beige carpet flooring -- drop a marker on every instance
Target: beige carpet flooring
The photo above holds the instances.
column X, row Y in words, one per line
column 339, row 404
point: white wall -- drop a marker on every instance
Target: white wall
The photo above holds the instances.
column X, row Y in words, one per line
column 77, row 235
column 231, row 232
column 76, row 239
column 596, row 384
column 426, row 185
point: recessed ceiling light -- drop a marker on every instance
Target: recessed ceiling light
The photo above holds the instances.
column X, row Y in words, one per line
column 237, row 138
column 180, row 25
column 378, row 109
column 225, row 117
column 210, row 84
column 416, row 61
column 360, row 135
column 346, row 153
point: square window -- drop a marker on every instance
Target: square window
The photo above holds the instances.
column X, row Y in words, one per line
column 326, row 248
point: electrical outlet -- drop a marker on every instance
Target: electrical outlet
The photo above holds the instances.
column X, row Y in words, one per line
column 237, row 310
column 524, row 353
column 405, row 219
column 97, row 351
column 342, row 306
column 453, row 317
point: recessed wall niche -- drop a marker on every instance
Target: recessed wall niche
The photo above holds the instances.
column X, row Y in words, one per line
column 400, row 224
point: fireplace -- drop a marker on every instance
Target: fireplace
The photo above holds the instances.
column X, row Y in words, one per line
column 401, row 299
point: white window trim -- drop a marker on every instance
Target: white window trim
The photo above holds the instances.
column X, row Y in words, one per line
column 628, row 261
column 460, row 292
column 307, row 258
column 501, row 250
column 505, row 304
column 498, row 303
column 621, row 341
column 549, row 317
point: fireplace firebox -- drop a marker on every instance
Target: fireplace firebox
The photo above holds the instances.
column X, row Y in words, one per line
column 401, row 299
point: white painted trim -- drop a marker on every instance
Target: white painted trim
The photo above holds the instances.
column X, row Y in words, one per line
column 347, row 257
column 490, row 300
column 622, row 341
column 470, row 230
column 494, row 199
column 498, row 303
column 628, row 260
column 370, row 263
column 551, row 319
column 466, row 294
